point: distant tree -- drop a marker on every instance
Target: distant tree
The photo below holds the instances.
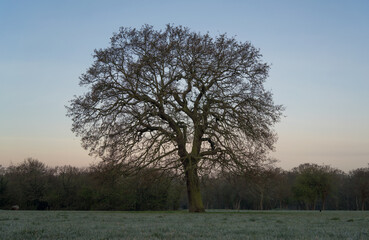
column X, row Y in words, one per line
column 359, row 182
column 223, row 191
column 150, row 189
column 153, row 189
column 112, row 188
column 67, row 184
column 176, row 99
column 282, row 188
column 29, row 184
column 3, row 187
column 313, row 182
column 262, row 183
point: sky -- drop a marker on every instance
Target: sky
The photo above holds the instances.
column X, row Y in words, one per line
column 318, row 52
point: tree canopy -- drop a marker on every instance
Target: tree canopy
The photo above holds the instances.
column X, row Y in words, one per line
column 176, row 99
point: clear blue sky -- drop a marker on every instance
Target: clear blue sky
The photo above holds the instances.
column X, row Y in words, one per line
column 319, row 51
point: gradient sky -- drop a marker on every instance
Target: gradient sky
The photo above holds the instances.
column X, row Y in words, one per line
column 319, row 52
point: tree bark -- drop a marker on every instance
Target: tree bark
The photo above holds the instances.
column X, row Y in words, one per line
column 237, row 204
column 261, row 200
column 193, row 188
column 323, row 202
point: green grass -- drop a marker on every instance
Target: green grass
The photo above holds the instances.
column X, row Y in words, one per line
column 182, row 225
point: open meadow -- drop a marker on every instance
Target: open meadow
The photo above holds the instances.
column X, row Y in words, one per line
column 182, row 225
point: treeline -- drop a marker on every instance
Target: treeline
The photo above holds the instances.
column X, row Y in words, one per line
column 33, row 185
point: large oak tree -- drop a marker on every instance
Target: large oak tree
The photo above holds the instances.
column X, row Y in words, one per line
column 176, row 99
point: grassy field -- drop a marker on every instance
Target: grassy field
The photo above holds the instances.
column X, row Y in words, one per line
column 182, row 225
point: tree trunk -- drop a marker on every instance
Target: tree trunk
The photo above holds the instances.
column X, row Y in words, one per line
column 306, row 205
column 261, row 200
column 362, row 204
column 238, row 204
column 193, row 188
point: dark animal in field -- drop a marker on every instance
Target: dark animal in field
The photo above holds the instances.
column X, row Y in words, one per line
column 15, row 207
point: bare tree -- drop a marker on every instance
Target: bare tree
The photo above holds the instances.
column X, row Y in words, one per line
column 262, row 181
column 176, row 99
